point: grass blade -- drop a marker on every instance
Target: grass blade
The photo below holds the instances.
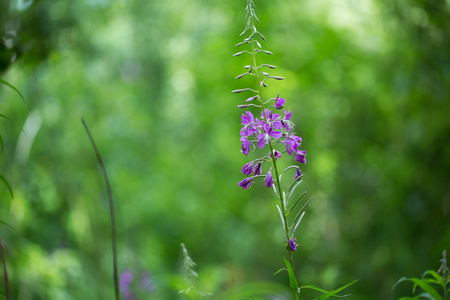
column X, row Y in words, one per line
column 111, row 206
column 14, row 88
column 7, row 185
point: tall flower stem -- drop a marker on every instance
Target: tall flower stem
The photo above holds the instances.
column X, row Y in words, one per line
column 274, row 162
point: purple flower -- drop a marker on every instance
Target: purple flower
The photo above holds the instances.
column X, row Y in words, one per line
column 269, row 179
column 249, row 124
column 292, row 244
column 246, row 183
column 276, row 153
column 297, row 174
column 125, row 280
column 279, row 102
column 245, row 146
column 292, row 142
column 300, row 156
column 286, row 120
column 268, row 132
column 258, row 168
column 247, row 168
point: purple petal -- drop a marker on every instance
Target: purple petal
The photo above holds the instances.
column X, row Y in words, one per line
column 247, row 168
column 246, row 183
column 292, row 244
column 269, row 179
column 258, row 168
column 261, row 141
column 279, row 102
column 301, row 157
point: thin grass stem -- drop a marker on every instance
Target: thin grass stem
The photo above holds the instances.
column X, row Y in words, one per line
column 111, row 206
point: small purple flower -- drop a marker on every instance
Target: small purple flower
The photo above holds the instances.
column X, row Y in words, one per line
column 297, row 174
column 292, row 244
column 292, row 142
column 125, row 280
column 258, row 168
column 247, row 168
column 245, row 146
column 249, row 124
column 300, row 156
column 279, row 102
column 276, row 153
column 268, row 132
column 246, row 183
column 269, row 179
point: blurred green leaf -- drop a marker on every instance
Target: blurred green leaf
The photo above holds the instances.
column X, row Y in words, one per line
column 422, row 284
column 7, row 185
column 13, row 87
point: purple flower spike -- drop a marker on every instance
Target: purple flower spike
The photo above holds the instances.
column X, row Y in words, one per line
column 292, row 244
column 279, row 102
column 269, row 179
column 258, row 168
column 246, row 183
column 247, row 168
column 297, row 173
column 301, row 157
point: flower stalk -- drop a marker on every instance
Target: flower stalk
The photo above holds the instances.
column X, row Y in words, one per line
column 270, row 131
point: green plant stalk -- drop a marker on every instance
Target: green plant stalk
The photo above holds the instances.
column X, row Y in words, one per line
column 277, row 182
column 5, row 273
column 112, row 211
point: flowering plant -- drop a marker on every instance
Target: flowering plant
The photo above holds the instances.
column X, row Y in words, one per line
column 273, row 131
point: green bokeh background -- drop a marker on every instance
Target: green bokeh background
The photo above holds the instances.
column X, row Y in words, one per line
column 368, row 83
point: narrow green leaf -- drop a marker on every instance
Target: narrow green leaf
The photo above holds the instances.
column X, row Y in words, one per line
column 427, row 288
column 426, row 296
column 1, row 143
column 333, row 293
column 7, row 185
column 296, row 201
column 282, row 269
column 7, row 224
column 438, row 278
column 313, row 287
column 13, row 87
column 292, row 279
column 422, row 284
column 328, row 293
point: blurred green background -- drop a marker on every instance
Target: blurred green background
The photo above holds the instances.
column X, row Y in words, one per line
column 368, row 83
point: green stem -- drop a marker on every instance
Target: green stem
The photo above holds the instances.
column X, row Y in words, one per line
column 274, row 162
column 112, row 212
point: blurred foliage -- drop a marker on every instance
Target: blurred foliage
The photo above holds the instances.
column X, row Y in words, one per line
column 368, row 83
